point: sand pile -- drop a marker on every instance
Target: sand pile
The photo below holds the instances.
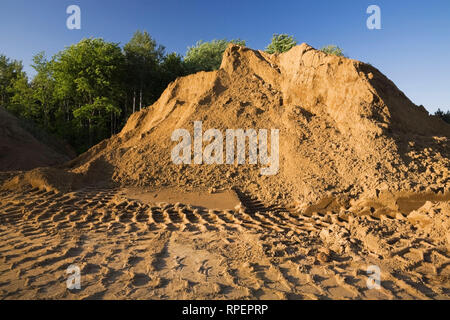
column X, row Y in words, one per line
column 20, row 150
column 344, row 130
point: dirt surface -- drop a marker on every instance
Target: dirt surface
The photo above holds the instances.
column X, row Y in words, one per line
column 203, row 200
column 127, row 249
column 363, row 181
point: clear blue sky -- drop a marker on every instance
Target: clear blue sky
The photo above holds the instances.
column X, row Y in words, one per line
column 412, row 49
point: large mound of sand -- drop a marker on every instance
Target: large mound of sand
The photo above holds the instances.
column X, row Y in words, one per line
column 20, row 150
column 344, row 129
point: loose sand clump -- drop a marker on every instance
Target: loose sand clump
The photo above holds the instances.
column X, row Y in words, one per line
column 433, row 220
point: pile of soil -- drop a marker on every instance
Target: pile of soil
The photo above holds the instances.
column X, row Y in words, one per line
column 345, row 130
column 20, row 150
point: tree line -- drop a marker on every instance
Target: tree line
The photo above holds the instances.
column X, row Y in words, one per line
column 86, row 92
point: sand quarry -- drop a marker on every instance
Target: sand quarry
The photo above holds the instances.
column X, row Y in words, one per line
column 363, row 181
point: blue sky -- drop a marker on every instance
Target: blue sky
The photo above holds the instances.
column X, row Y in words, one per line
column 412, row 48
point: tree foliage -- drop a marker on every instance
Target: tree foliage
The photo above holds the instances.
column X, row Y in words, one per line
column 10, row 72
column 445, row 116
column 88, row 81
column 143, row 57
column 207, row 56
column 333, row 50
column 172, row 67
column 281, row 43
column 43, row 86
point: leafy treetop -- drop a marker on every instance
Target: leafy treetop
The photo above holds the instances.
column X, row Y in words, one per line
column 207, row 56
column 333, row 50
column 281, row 43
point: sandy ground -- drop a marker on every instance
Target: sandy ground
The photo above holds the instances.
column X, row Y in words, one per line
column 129, row 247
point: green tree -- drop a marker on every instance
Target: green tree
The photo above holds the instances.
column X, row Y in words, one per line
column 333, row 50
column 43, row 86
column 22, row 102
column 10, row 71
column 207, row 56
column 86, row 75
column 445, row 116
column 94, row 112
column 281, row 43
column 143, row 56
column 172, row 67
